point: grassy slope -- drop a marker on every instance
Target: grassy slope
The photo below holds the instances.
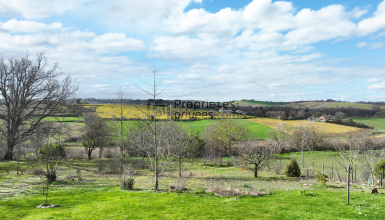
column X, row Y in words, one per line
column 375, row 122
column 262, row 103
column 258, row 131
column 112, row 203
column 354, row 105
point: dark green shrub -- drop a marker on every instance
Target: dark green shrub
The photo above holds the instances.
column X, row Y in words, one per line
column 380, row 168
column 53, row 151
column 292, row 169
column 322, row 178
column 127, row 183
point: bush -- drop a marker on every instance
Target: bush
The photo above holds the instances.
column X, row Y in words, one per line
column 380, row 168
column 322, row 178
column 53, row 151
column 127, row 182
column 292, row 169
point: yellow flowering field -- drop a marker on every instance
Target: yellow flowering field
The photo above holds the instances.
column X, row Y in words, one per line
column 327, row 128
column 145, row 112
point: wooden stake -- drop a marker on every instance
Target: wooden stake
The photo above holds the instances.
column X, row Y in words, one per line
column 348, row 179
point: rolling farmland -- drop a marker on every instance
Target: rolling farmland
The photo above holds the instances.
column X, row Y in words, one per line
column 327, row 128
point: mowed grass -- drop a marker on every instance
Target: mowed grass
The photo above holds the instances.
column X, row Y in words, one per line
column 113, row 203
column 327, row 128
column 348, row 104
column 109, row 202
column 377, row 123
column 257, row 130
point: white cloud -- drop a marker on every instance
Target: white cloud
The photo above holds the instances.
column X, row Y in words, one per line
column 72, row 41
column 370, row 46
column 373, row 80
column 37, row 9
column 374, row 23
column 378, row 86
column 15, row 26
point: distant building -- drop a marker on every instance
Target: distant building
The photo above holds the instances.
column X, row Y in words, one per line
column 325, row 118
column 225, row 110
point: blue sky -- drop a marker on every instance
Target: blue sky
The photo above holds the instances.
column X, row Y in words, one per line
column 207, row 49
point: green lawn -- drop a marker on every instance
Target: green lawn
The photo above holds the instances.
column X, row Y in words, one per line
column 348, row 104
column 377, row 123
column 113, row 203
column 263, row 103
column 257, row 130
column 287, row 200
column 64, row 119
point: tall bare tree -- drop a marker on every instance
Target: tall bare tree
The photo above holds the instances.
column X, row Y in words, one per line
column 306, row 135
column 279, row 137
column 371, row 153
column 31, row 92
column 151, row 136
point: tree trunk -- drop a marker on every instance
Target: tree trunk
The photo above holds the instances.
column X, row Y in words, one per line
column 9, row 154
column 255, row 170
column 303, row 159
column 100, row 152
column 89, row 155
column 51, row 177
column 180, row 166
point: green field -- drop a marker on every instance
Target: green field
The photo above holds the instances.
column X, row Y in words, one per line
column 377, row 123
column 64, row 119
column 112, row 203
column 282, row 197
column 257, row 130
column 262, row 103
column 354, row 105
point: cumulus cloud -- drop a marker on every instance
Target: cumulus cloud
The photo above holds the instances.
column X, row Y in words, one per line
column 267, row 45
column 37, row 9
column 373, row 24
column 378, row 86
column 15, row 26
column 370, row 46
column 373, row 80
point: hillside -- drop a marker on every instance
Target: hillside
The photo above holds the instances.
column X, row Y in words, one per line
column 259, row 103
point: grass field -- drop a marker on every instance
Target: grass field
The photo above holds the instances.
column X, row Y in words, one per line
column 261, row 103
column 112, row 203
column 327, row 128
column 354, row 105
column 283, row 197
column 257, row 130
column 377, row 123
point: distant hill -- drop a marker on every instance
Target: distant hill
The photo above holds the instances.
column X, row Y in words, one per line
column 259, row 103
column 315, row 105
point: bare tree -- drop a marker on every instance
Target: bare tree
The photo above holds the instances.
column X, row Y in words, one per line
column 152, row 136
column 121, row 129
column 279, row 137
column 257, row 154
column 348, row 151
column 227, row 132
column 31, row 92
column 186, row 143
column 370, row 156
column 96, row 134
column 44, row 152
column 306, row 135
